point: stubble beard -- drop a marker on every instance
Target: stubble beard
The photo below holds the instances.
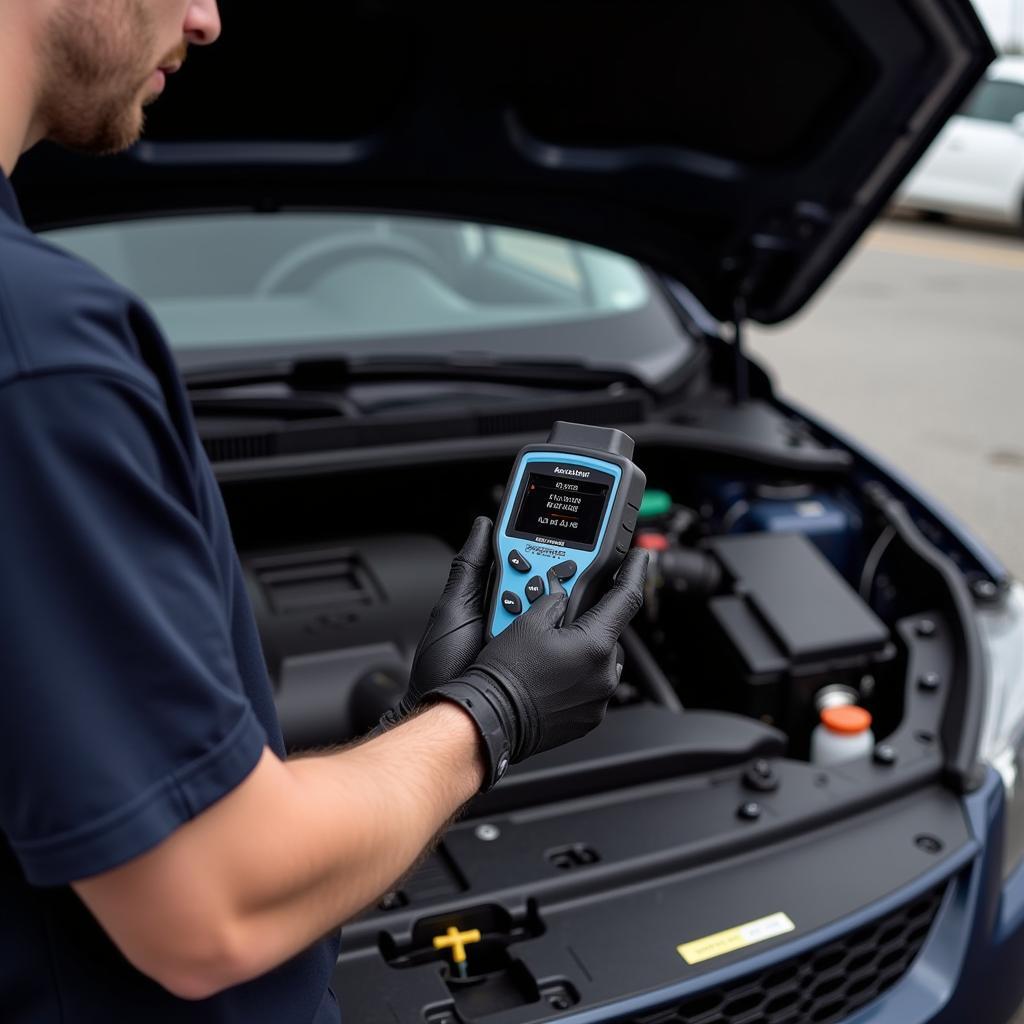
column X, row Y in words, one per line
column 98, row 59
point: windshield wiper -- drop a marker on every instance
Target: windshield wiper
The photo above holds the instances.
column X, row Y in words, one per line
column 330, row 375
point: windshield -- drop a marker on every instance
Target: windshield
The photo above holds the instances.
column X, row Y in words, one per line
column 362, row 282
column 232, row 289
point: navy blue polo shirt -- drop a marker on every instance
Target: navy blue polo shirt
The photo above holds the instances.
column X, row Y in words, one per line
column 133, row 691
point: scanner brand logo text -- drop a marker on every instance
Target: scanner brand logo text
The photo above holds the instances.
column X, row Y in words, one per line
column 573, row 472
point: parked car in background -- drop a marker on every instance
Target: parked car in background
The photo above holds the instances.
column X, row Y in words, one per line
column 975, row 168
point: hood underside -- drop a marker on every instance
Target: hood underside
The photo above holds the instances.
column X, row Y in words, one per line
column 741, row 146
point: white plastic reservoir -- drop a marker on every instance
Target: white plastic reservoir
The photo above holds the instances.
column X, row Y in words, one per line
column 843, row 734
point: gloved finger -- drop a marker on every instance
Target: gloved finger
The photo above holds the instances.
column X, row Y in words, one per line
column 554, row 583
column 613, row 612
column 550, row 608
column 468, row 573
column 477, row 549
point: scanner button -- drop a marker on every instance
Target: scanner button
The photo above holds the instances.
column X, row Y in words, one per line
column 534, row 589
column 564, row 571
column 511, row 603
column 518, row 563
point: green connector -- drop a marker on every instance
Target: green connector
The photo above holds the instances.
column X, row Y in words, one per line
column 655, row 503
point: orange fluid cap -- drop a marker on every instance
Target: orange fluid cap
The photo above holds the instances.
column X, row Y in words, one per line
column 847, row 718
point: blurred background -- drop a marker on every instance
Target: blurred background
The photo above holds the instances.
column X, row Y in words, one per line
column 1004, row 20
column 927, row 315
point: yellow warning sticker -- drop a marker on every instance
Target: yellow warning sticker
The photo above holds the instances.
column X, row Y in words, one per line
column 735, row 938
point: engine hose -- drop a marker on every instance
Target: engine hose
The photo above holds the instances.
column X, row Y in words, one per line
column 648, row 672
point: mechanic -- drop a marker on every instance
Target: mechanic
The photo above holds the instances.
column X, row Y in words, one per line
column 160, row 860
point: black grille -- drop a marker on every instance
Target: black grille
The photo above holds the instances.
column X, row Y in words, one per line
column 821, row 987
column 227, row 449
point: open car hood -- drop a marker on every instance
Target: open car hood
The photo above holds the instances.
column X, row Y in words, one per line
column 741, row 146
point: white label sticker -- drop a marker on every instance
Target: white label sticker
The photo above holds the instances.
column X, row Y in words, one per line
column 735, row 938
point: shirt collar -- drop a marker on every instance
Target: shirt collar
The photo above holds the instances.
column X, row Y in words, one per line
column 9, row 201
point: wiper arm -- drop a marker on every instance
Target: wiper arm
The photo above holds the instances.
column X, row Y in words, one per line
column 211, row 391
column 334, row 374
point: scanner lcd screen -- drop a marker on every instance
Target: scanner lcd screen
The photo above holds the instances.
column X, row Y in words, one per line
column 563, row 509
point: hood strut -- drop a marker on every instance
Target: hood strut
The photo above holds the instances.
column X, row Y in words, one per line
column 741, row 369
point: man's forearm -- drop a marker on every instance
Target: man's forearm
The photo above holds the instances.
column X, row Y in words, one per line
column 294, row 851
column 379, row 804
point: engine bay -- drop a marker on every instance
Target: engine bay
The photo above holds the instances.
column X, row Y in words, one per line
column 781, row 583
column 768, row 596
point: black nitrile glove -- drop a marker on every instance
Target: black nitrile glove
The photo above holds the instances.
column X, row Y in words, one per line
column 455, row 630
column 537, row 685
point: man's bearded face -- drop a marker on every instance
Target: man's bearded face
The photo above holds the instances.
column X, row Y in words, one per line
column 101, row 66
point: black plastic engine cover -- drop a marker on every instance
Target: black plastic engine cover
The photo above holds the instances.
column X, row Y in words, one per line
column 339, row 624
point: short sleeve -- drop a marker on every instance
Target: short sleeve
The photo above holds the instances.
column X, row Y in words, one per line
column 122, row 714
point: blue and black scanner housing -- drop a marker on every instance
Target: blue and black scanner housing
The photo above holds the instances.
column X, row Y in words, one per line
column 572, row 505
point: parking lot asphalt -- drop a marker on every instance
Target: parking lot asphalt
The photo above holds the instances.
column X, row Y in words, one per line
column 916, row 347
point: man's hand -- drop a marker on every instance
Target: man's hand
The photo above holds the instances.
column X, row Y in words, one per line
column 455, row 631
column 538, row 685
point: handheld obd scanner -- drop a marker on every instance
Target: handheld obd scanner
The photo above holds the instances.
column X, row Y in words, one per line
column 570, row 504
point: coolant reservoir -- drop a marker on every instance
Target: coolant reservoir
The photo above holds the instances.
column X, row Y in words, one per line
column 843, row 734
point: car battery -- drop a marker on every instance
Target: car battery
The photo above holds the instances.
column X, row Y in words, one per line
column 831, row 523
column 785, row 624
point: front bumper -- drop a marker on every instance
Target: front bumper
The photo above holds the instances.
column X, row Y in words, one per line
column 972, row 965
column 967, row 965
